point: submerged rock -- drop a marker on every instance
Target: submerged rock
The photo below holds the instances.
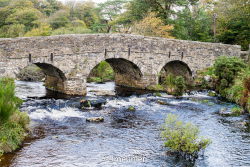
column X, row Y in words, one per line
column 212, row 94
column 95, row 119
column 92, row 103
column 162, row 102
column 131, row 108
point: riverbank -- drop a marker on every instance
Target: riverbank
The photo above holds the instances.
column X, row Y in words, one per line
column 13, row 123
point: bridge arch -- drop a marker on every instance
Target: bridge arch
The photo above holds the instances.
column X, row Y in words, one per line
column 127, row 73
column 177, row 68
column 54, row 77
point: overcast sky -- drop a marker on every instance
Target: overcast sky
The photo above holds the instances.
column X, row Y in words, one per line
column 97, row 1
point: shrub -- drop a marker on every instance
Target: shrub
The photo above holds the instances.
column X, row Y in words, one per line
column 175, row 85
column 9, row 103
column 183, row 137
column 240, row 91
column 11, row 136
column 227, row 69
column 180, row 85
column 13, row 123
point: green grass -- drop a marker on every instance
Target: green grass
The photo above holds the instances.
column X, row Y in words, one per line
column 13, row 123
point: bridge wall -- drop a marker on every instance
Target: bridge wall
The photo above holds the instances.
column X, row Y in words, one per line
column 76, row 55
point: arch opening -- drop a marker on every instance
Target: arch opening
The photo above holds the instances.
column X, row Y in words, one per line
column 52, row 76
column 176, row 68
column 122, row 71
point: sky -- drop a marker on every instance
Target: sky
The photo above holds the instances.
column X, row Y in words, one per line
column 97, row 1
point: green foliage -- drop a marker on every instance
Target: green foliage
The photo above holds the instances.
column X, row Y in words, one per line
column 95, row 79
column 26, row 17
column 42, row 30
column 157, row 94
column 227, row 68
column 232, row 80
column 193, row 24
column 11, row 136
column 233, row 22
column 165, row 9
column 71, row 30
column 240, row 91
column 101, row 73
column 156, row 87
column 85, row 11
column 9, row 103
column 212, row 94
column 175, row 85
column 59, row 19
column 236, row 111
column 180, row 85
column 110, row 10
column 13, row 123
column 13, row 30
column 136, row 10
column 182, row 137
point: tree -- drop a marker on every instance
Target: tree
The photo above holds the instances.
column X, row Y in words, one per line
column 47, row 7
column 152, row 26
column 85, row 11
column 59, row 19
column 26, row 17
column 110, row 10
column 13, row 30
column 166, row 8
column 18, row 17
column 233, row 22
column 193, row 24
column 136, row 10
column 43, row 30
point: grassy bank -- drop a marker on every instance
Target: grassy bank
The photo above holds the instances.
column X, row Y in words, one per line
column 13, row 123
column 230, row 78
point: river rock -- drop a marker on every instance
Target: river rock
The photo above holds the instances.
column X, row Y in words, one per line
column 104, row 93
column 162, row 102
column 75, row 105
column 207, row 78
column 95, row 119
column 92, row 103
column 224, row 112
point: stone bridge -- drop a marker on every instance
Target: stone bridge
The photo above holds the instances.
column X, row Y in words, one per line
column 67, row 60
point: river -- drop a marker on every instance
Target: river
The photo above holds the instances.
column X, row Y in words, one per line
column 61, row 136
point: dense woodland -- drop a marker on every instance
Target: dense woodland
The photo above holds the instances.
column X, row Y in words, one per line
column 226, row 21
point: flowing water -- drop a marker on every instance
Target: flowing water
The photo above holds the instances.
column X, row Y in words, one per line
column 62, row 137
